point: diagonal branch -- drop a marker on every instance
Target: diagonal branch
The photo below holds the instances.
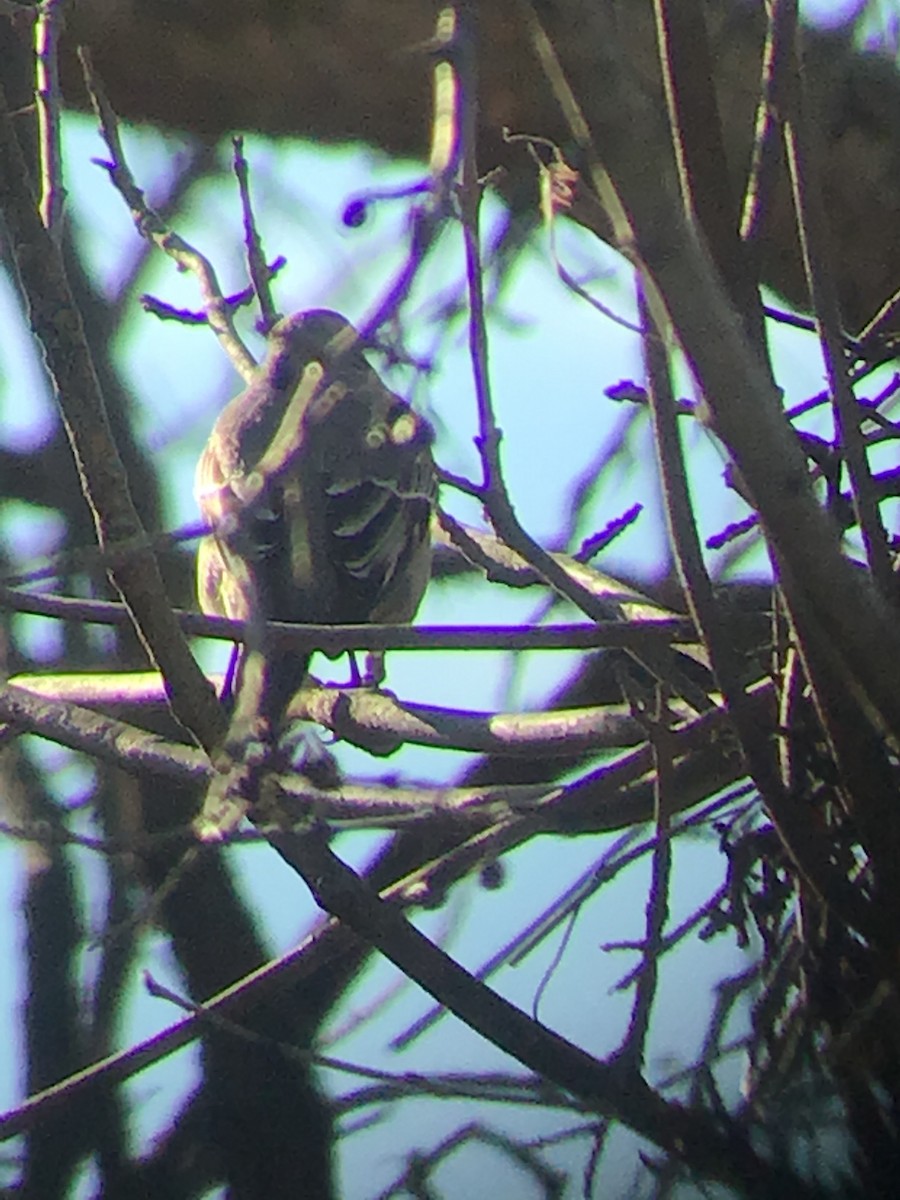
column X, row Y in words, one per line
column 57, row 325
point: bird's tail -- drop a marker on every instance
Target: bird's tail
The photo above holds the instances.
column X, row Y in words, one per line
column 260, row 739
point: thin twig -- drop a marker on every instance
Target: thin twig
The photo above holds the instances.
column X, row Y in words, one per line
column 812, row 227
column 150, row 226
column 186, row 316
column 47, row 31
column 558, row 182
column 686, row 61
column 644, row 627
column 256, row 259
column 780, row 34
column 657, row 723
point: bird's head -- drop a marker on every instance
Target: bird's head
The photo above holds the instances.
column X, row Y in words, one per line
column 318, row 335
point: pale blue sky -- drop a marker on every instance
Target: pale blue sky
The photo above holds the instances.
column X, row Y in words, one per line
column 548, row 373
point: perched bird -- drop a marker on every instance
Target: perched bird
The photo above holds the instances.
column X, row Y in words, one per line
column 317, row 485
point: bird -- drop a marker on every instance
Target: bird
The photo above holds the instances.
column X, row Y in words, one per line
column 317, row 486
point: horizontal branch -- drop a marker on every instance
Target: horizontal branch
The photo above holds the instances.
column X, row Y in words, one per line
column 336, row 639
column 611, row 796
